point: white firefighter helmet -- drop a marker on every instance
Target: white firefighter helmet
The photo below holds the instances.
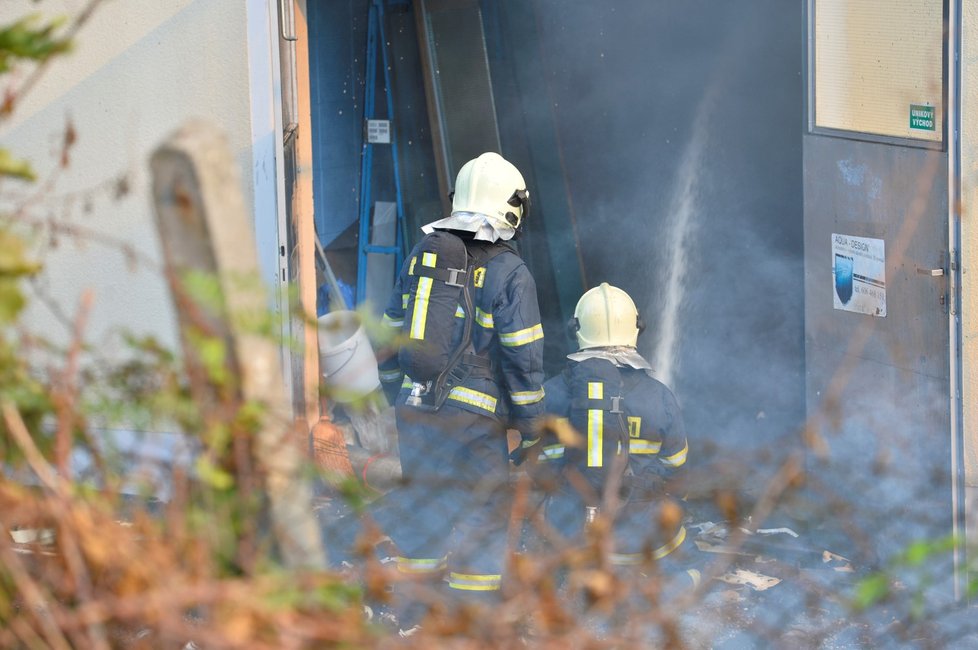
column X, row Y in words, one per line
column 606, row 316
column 492, row 186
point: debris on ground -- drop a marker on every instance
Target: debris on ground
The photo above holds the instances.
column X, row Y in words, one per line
column 756, row 581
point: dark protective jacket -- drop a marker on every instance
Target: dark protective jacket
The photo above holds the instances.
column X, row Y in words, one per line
column 657, row 436
column 507, row 331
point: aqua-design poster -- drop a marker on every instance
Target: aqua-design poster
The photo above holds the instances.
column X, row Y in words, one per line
column 859, row 274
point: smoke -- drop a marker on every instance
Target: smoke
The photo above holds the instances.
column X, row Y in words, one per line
column 680, row 161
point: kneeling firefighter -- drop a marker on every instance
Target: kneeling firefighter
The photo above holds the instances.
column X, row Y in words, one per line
column 632, row 435
column 472, row 362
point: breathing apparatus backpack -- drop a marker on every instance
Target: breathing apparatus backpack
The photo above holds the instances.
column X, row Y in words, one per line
column 440, row 280
column 597, row 410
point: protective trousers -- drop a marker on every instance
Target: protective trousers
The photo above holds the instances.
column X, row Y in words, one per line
column 637, row 532
column 454, row 508
column 650, row 563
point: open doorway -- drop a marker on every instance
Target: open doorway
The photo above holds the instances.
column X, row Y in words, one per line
column 662, row 148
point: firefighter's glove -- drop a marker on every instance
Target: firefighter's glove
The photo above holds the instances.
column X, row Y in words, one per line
column 528, row 448
column 647, row 486
column 544, row 473
column 391, row 391
column 390, row 381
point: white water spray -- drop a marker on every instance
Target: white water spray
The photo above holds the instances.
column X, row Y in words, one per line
column 678, row 242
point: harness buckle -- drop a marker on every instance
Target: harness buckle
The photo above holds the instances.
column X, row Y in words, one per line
column 615, row 405
column 456, row 277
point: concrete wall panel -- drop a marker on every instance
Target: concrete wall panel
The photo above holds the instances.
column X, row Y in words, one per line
column 138, row 71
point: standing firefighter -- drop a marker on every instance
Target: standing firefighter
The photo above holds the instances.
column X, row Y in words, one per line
column 472, row 359
column 632, row 433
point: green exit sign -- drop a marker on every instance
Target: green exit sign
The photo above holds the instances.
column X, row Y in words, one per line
column 921, row 117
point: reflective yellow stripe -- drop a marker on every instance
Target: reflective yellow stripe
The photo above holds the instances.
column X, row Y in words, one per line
column 666, row 549
column 552, row 452
column 459, row 312
column 420, row 565
column 595, row 390
column 524, row 397
column 595, row 427
column 388, row 376
column 595, row 438
column 404, row 300
column 626, row 559
column 474, row 582
column 678, row 458
column 411, row 268
column 420, row 318
column 521, row 337
column 390, row 322
column 407, row 383
column 639, row 446
column 475, row 577
column 484, row 319
column 473, row 397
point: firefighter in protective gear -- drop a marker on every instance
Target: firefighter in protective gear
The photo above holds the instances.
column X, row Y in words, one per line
column 455, row 504
column 606, row 325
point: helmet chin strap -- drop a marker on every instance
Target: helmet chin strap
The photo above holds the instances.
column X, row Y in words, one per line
column 520, row 199
column 573, row 326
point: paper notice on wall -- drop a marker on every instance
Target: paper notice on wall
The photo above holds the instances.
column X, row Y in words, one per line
column 859, row 273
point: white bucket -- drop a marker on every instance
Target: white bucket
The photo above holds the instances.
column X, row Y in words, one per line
column 346, row 358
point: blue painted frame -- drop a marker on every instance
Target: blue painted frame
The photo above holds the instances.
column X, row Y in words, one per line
column 376, row 39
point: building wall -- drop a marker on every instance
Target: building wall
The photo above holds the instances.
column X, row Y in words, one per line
column 969, row 256
column 139, row 70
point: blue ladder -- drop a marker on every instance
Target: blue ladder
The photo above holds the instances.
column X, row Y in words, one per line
column 376, row 39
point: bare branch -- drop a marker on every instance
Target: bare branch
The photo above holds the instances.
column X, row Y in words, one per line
column 38, row 72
